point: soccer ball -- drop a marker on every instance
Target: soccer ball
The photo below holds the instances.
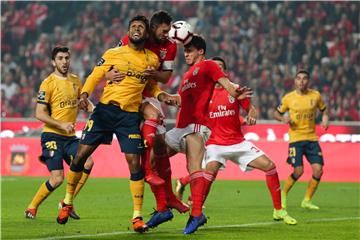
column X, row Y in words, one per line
column 181, row 32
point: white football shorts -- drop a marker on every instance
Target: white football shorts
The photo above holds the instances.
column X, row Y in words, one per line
column 241, row 154
column 161, row 128
column 175, row 138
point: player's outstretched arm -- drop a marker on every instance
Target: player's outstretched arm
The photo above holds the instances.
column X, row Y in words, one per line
column 236, row 92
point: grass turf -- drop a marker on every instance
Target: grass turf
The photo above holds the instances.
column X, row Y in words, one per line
column 235, row 210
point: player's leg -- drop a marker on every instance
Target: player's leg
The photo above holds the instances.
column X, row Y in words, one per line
column 194, row 154
column 314, row 156
column 296, row 151
column 163, row 167
column 52, row 156
column 264, row 164
column 181, row 183
column 85, row 175
column 152, row 120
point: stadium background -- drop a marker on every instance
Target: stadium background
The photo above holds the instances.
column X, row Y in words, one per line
column 263, row 44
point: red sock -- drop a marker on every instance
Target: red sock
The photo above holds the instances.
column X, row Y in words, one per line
column 185, row 180
column 160, row 197
column 148, row 132
column 273, row 184
column 197, row 192
column 209, row 178
column 164, row 170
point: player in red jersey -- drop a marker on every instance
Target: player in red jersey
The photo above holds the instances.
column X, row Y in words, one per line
column 153, row 129
column 193, row 123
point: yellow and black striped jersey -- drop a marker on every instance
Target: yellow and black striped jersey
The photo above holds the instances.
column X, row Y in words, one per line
column 302, row 112
column 128, row 93
column 61, row 95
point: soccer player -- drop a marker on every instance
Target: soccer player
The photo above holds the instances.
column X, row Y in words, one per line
column 193, row 124
column 57, row 107
column 302, row 104
column 118, row 112
column 157, row 173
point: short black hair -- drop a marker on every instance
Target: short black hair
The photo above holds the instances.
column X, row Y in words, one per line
column 160, row 17
column 140, row 18
column 198, row 42
column 57, row 49
column 304, row 71
column 220, row 59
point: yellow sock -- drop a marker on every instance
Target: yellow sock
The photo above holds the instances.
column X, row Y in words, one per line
column 313, row 184
column 289, row 183
column 82, row 181
column 72, row 181
column 43, row 192
column 137, row 193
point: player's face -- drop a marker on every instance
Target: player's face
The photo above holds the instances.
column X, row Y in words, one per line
column 192, row 55
column 62, row 62
column 137, row 32
column 302, row 81
column 161, row 32
column 221, row 64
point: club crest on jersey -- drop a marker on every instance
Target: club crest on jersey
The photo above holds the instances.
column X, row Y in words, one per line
column 196, row 71
column 163, row 53
column 231, row 99
column 100, row 62
column 41, row 95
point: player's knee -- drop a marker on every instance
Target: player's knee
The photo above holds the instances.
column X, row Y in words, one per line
column 318, row 173
column 133, row 161
column 298, row 172
column 151, row 112
column 56, row 181
column 269, row 165
column 89, row 163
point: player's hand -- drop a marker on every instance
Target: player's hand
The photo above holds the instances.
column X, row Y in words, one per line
column 84, row 102
column 325, row 125
column 115, row 76
column 250, row 120
column 244, row 92
column 287, row 120
column 68, row 127
column 171, row 99
column 150, row 72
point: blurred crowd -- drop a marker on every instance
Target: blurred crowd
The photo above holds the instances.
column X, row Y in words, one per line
column 263, row 43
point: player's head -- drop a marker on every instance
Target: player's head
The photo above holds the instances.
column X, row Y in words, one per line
column 195, row 50
column 160, row 24
column 302, row 79
column 138, row 29
column 60, row 59
column 220, row 62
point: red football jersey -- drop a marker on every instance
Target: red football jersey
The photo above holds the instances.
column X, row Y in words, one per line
column 166, row 52
column 196, row 90
column 225, row 119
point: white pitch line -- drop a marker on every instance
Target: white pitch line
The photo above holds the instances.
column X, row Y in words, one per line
column 209, row 227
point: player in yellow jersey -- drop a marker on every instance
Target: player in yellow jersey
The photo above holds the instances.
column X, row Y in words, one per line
column 57, row 107
column 118, row 112
column 302, row 104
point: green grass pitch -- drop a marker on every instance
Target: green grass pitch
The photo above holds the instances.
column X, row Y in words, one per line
column 235, row 210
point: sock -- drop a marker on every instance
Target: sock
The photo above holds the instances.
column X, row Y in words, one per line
column 72, row 181
column 209, row 178
column 313, row 184
column 273, row 184
column 84, row 176
column 137, row 192
column 160, row 197
column 290, row 182
column 164, row 170
column 148, row 132
column 43, row 192
column 185, row 180
column 197, row 192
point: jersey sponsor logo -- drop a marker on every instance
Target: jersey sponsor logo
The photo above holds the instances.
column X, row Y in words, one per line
column 163, row 53
column 134, row 136
column 68, row 103
column 231, row 99
column 188, row 85
column 137, row 75
column 100, row 62
column 196, row 70
column 41, row 96
column 222, row 112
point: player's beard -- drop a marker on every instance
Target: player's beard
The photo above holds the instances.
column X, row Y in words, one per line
column 137, row 41
column 63, row 72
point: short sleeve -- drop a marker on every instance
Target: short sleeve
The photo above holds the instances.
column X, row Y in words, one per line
column 214, row 71
column 44, row 94
column 283, row 107
column 321, row 104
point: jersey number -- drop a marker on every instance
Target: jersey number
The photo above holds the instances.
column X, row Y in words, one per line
column 89, row 125
column 51, row 145
column 292, row 152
